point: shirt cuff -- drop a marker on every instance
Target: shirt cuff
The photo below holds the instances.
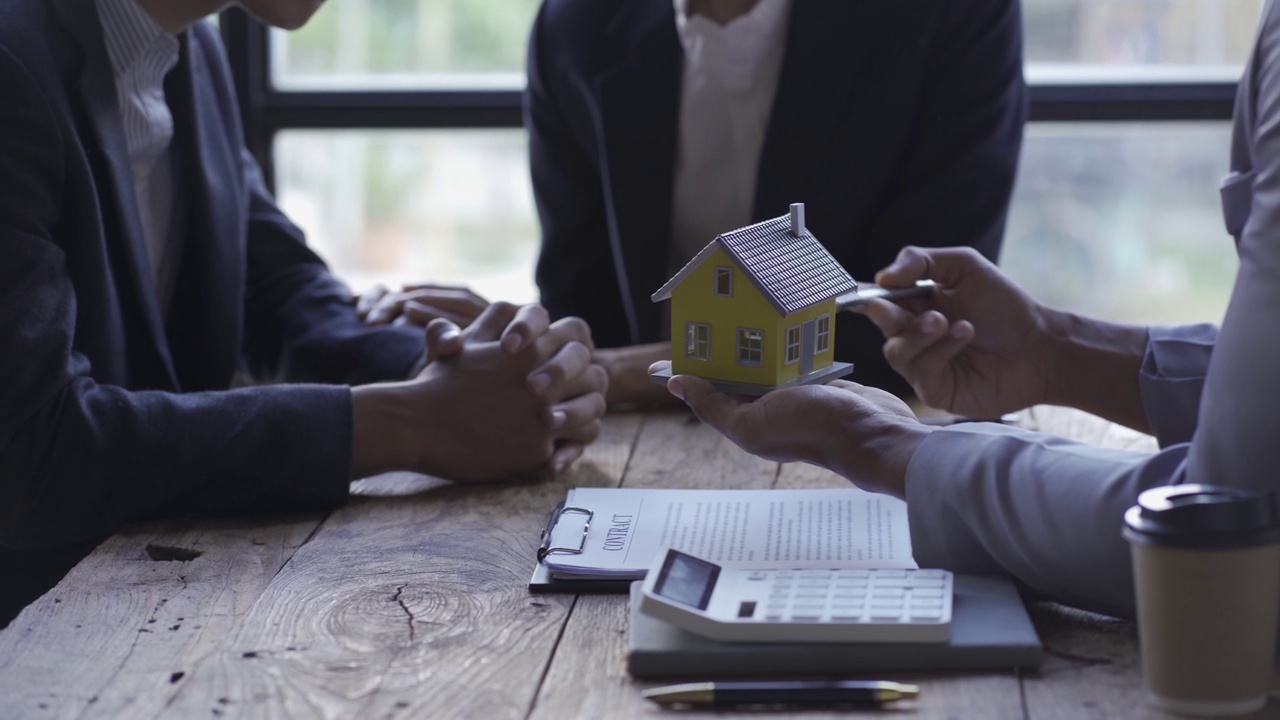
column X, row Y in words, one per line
column 1172, row 379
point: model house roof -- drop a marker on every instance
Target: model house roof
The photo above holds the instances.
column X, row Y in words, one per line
column 793, row 270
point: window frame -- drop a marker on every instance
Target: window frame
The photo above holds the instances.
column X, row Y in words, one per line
column 692, row 341
column 821, row 337
column 791, row 345
column 739, row 347
column 267, row 110
column 724, row 271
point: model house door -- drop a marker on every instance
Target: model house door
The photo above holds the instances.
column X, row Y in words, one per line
column 807, row 338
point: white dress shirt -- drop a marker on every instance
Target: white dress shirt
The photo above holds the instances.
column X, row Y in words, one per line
column 142, row 53
column 729, row 81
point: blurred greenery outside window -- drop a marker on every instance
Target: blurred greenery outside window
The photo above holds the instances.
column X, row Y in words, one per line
column 1117, row 219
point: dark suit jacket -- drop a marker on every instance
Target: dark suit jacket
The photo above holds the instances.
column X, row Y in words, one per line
column 109, row 410
column 896, row 122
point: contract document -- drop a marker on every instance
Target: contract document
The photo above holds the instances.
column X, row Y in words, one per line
column 615, row 533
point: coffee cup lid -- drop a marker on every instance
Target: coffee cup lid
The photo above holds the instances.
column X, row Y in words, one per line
column 1203, row 516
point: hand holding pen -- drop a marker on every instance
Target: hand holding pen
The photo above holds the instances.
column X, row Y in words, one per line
column 975, row 344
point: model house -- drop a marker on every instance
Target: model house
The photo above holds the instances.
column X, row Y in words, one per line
column 755, row 309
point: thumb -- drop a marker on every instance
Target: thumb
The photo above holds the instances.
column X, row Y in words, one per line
column 443, row 339
column 710, row 405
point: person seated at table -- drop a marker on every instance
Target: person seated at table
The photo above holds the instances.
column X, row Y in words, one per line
column 144, row 263
column 986, row 498
column 654, row 126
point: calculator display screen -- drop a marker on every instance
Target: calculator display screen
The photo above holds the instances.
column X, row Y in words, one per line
column 687, row 580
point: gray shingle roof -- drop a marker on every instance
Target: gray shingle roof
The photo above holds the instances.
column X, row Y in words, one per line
column 792, row 272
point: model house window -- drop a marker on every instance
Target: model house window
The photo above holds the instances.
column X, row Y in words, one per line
column 724, row 281
column 793, row 344
column 822, row 338
column 750, row 347
column 697, row 341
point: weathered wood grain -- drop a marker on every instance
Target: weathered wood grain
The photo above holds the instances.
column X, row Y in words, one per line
column 675, row 450
column 116, row 637
column 405, row 606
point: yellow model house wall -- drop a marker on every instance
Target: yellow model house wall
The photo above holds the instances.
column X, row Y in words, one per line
column 695, row 300
column 787, row 373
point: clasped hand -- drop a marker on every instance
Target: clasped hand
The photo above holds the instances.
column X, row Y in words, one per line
column 514, row 392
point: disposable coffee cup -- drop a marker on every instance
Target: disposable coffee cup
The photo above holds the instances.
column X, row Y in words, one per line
column 1206, row 570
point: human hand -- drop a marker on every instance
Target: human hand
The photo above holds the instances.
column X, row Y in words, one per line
column 978, row 346
column 418, row 304
column 864, row 434
column 571, row 385
column 628, row 369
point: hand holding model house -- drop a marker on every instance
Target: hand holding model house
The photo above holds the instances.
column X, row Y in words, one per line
column 754, row 311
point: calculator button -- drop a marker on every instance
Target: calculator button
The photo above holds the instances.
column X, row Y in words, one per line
column 929, row 583
column 926, row 604
column 889, row 592
column 939, row 574
column 808, row 616
column 757, row 576
column 927, row 593
column 846, row 616
column 886, row 613
column 849, row 595
column 934, row 615
column 891, row 574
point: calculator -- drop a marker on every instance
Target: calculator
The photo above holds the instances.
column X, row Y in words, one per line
column 781, row 603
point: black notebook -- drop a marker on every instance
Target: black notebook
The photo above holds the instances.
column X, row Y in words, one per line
column 990, row 630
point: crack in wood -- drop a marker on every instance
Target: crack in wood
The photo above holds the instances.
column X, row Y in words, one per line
column 407, row 611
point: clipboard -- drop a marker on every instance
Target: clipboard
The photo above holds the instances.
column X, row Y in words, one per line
column 542, row 580
column 600, row 539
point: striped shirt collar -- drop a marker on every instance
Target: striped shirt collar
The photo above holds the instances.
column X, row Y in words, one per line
column 131, row 34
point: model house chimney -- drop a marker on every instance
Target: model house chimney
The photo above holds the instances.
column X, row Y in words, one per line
column 797, row 219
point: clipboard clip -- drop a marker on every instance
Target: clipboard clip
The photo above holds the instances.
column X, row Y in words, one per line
column 546, row 549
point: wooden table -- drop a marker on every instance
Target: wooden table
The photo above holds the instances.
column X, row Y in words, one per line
column 410, row 602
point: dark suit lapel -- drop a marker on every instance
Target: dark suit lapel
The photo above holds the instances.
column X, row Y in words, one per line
column 639, row 101
column 96, row 89
column 828, row 42
column 208, row 293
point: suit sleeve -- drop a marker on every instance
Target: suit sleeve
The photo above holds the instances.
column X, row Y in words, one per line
column 576, row 274
column 299, row 318
column 1049, row 511
column 78, row 457
column 300, row 323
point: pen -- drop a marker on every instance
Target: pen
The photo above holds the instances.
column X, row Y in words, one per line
column 871, row 693
column 871, row 291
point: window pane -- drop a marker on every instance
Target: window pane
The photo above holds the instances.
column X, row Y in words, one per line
column 406, row 44
column 392, row 207
column 1123, row 221
column 1151, row 40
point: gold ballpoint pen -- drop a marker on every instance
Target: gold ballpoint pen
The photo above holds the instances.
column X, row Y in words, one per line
column 871, row 693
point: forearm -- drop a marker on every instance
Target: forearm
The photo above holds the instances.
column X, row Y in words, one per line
column 628, row 369
column 382, row 430
column 985, row 498
column 93, row 457
column 1094, row 366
